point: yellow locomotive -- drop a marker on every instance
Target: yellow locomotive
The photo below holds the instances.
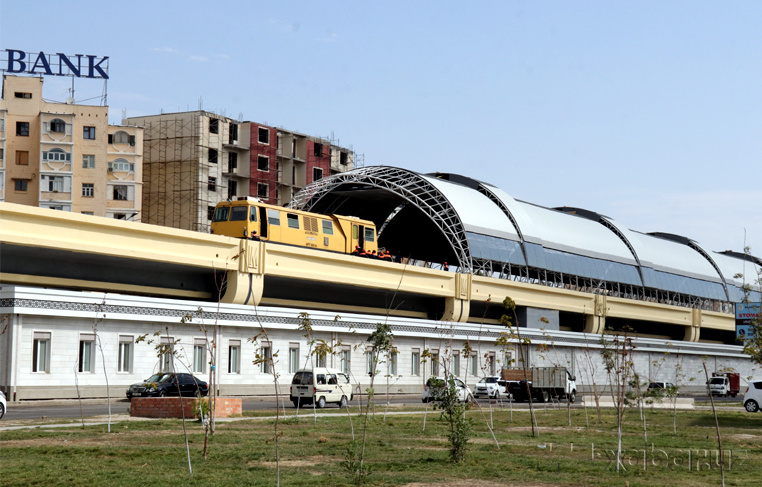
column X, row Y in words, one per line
column 247, row 217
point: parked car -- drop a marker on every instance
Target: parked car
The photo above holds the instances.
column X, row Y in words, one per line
column 435, row 385
column 166, row 384
column 752, row 398
column 322, row 385
column 492, row 387
column 2, row 404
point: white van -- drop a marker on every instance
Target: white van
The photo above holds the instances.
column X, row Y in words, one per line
column 322, row 385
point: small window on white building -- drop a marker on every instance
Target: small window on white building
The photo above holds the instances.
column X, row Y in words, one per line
column 125, row 354
column 456, row 363
column 392, row 363
column 41, row 352
column 435, row 363
column 199, row 355
column 370, row 366
column 266, row 354
column 86, row 352
column 346, row 360
column 293, row 358
column 415, row 368
column 474, row 364
column 234, row 357
column 167, row 359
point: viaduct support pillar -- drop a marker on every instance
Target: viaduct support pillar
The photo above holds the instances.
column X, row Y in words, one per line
column 595, row 323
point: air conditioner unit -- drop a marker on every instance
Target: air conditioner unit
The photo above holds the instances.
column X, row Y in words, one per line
column 111, row 169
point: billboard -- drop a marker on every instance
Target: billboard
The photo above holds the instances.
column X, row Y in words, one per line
column 745, row 314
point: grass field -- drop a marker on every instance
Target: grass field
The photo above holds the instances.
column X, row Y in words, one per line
column 398, row 451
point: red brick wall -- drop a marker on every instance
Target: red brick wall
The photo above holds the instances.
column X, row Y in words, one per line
column 169, row 407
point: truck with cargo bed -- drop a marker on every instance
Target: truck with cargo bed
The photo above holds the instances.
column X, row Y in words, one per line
column 725, row 384
column 544, row 383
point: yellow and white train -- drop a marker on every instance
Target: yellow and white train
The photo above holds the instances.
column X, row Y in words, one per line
column 247, row 217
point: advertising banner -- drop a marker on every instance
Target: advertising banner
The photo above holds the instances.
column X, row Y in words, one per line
column 745, row 314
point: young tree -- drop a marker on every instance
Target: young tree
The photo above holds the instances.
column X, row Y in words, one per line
column 617, row 359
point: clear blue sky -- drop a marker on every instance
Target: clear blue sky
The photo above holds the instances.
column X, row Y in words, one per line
column 647, row 112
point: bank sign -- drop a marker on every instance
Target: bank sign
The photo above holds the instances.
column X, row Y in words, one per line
column 58, row 64
column 745, row 314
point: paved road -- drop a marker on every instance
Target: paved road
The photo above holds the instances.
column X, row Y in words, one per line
column 90, row 407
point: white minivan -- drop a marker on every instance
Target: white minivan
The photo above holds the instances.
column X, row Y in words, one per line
column 322, row 385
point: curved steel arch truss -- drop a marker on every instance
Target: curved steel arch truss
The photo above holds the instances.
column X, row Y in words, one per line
column 408, row 186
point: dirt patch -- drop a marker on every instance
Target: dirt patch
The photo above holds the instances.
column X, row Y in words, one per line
column 479, row 483
column 302, row 462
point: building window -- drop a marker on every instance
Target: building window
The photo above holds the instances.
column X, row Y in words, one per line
column 456, row 363
column 264, row 135
column 320, row 360
column 20, row 184
column 232, row 189
column 121, row 165
column 370, row 366
column 58, row 126
column 125, row 354
column 318, row 150
column 392, row 363
column 88, row 161
column 343, row 159
column 22, row 129
column 120, row 192
column 2, row 153
column 317, row 173
column 20, row 94
column 293, row 358
column 266, row 356
column 234, row 357
column 167, row 351
column 22, row 158
column 86, row 352
column 416, row 362
column 87, row 213
column 212, row 184
column 56, row 184
column 210, row 213
column 346, row 360
column 232, row 161
column 199, row 355
column 293, row 220
column 474, row 364
column 262, row 190
column 263, row 163
column 213, row 156
column 435, row 363
column 214, row 126
column 88, row 133
column 232, row 133
column 491, row 363
column 41, row 352
column 88, row 189
column 56, row 155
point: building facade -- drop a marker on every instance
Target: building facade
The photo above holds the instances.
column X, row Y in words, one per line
column 66, row 156
column 193, row 160
column 61, row 344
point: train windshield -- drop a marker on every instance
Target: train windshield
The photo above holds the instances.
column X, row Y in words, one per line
column 221, row 214
column 238, row 213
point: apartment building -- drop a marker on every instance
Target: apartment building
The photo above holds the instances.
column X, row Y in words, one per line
column 66, row 156
column 283, row 162
column 193, row 160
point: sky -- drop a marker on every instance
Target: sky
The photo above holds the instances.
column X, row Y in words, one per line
column 647, row 112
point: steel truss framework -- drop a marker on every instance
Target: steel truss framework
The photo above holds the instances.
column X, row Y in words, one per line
column 414, row 189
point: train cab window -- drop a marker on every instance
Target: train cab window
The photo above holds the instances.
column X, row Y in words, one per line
column 273, row 217
column 370, row 234
column 355, row 232
column 221, row 214
column 238, row 213
column 253, row 214
column 293, row 220
column 327, row 227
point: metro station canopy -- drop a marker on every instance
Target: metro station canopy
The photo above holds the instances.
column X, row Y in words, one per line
column 477, row 227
